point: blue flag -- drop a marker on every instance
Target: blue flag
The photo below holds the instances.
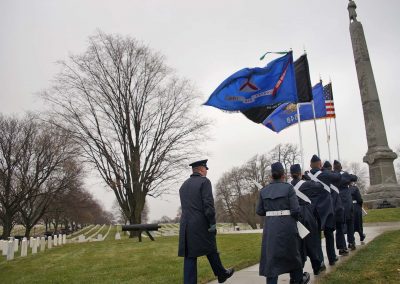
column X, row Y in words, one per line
column 286, row 114
column 254, row 87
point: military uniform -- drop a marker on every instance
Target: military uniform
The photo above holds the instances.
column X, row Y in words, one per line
column 315, row 195
column 326, row 178
column 358, row 214
column 195, row 236
column 280, row 250
column 346, row 224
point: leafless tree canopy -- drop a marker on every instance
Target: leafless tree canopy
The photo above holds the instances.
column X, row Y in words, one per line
column 36, row 163
column 132, row 116
column 397, row 163
column 361, row 171
column 236, row 192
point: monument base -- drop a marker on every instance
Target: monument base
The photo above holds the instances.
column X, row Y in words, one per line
column 381, row 193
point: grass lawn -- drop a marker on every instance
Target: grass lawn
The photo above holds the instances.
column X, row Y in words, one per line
column 378, row 262
column 383, row 215
column 125, row 261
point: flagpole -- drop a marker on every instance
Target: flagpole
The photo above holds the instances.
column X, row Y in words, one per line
column 315, row 126
column 328, row 140
column 337, row 139
column 300, row 136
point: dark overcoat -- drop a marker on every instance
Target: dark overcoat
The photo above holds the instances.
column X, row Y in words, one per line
column 308, row 217
column 345, row 194
column 358, row 217
column 329, row 177
column 280, row 248
column 198, row 214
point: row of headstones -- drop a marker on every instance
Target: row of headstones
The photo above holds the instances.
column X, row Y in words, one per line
column 11, row 246
column 83, row 239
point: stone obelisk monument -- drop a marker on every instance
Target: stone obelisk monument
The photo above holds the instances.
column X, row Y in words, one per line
column 379, row 157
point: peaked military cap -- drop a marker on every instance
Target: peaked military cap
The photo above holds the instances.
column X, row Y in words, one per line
column 199, row 163
column 327, row 165
column 277, row 168
column 315, row 158
column 295, row 169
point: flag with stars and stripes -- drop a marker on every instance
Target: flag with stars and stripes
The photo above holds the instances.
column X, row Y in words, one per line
column 329, row 105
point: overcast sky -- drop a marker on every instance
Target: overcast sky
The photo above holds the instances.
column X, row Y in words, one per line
column 206, row 41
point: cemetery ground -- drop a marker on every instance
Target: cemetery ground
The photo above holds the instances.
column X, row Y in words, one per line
column 128, row 261
column 124, row 261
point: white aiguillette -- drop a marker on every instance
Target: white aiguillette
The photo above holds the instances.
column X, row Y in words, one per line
column 303, row 231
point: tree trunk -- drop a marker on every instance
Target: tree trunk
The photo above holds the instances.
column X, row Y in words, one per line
column 7, row 227
column 28, row 231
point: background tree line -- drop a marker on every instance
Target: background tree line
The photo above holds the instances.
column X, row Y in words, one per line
column 41, row 177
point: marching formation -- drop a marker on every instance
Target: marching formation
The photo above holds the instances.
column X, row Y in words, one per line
column 323, row 199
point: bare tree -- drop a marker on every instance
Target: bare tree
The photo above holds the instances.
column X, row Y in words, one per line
column 288, row 154
column 15, row 135
column 132, row 116
column 397, row 164
column 361, row 171
column 48, row 167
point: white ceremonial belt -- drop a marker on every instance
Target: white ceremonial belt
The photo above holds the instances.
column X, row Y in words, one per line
column 354, row 201
column 278, row 213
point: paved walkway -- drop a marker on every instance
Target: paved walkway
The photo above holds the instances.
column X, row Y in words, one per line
column 250, row 275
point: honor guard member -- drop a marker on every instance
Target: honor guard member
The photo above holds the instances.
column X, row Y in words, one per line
column 309, row 194
column 347, row 201
column 358, row 213
column 280, row 250
column 197, row 230
column 326, row 177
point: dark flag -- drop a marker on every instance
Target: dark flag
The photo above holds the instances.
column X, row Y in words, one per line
column 251, row 88
column 303, row 81
column 303, row 89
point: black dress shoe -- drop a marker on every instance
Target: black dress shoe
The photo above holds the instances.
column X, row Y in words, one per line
column 228, row 273
column 306, row 278
column 352, row 246
column 362, row 238
column 321, row 268
column 334, row 261
column 343, row 252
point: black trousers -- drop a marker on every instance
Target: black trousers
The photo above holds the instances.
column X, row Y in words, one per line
column 190, row 267
column 330, row 245
column 340, row 239
column 295, row 275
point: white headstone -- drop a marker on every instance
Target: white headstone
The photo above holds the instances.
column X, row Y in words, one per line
column 34, row 245
column 42, row 244
column 1, row 245
column 49, row 242
column 10, row 250
column 24, row 247
column 16, row 243
column 59, row 239
column 99, row 237
column 30, row 242
column 81, row 238
column 5, row 248
column 55, row 240
column 64, row 239
column 117, row 236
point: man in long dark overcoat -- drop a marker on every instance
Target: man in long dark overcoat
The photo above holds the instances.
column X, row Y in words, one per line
column 358, row 211
column 312, row 200
column 280, row 249
column 347, row 201
column 326, row 177
column 197, row 230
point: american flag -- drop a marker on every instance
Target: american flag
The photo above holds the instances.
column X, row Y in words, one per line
column 329, row 105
